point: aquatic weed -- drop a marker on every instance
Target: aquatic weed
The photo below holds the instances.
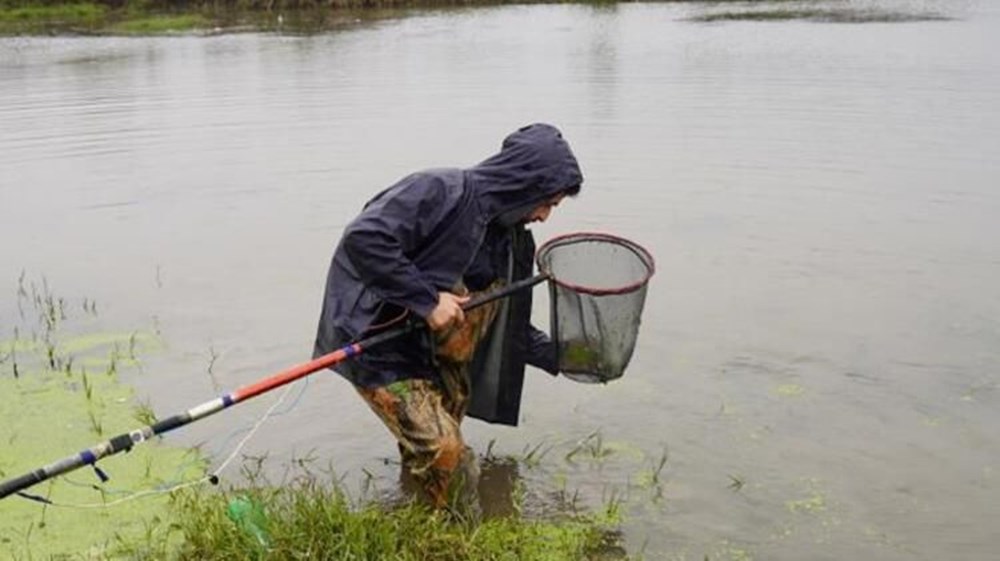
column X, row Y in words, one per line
column 592, row 445
column 533, row 455
column 88, row 388
column 652, row 476
column 95, row 423
column 144, row 414
column 131, row 346
column 736, row 482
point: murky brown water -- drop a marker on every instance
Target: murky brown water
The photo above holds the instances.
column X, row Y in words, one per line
column 821, row 345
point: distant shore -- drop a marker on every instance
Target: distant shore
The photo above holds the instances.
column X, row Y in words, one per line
column 209, row 17
column 165, row 17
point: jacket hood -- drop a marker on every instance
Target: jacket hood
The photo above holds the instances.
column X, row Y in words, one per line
column 534, row 164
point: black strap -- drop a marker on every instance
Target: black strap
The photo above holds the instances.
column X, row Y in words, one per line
column 100, row 474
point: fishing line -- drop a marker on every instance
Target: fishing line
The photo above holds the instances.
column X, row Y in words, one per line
column 218, row 450
column 212, row 477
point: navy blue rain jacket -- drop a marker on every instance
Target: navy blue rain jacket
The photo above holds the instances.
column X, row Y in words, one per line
column 426, row 233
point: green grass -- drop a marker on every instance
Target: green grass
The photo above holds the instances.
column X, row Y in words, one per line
column 56, row 13
column 62, row 17
column 310, row 520
column 131, row 18
column 153, row 25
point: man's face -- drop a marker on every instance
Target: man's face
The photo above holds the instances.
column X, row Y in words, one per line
column 541, row 212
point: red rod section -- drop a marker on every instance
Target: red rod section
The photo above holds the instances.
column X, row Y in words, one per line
column 295, row 372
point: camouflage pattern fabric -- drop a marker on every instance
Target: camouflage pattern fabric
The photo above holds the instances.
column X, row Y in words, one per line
column 424, row 415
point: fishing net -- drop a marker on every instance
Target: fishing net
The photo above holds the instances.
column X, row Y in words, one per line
column 597, row 291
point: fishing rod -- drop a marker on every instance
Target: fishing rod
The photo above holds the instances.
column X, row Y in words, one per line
column 126, row 441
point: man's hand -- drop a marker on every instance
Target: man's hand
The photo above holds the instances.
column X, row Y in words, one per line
column 447, row 311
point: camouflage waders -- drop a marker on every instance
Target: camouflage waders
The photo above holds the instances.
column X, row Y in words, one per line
column 424, row 415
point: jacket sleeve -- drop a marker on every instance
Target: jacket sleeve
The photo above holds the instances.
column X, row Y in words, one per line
column 391, row 229
column 541, row 351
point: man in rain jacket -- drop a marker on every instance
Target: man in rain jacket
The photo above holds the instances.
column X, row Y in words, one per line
column 417, row 251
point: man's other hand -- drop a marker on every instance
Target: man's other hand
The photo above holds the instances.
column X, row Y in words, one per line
column 447, row 311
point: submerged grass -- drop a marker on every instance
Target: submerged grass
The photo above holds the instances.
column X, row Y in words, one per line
column 310, row 520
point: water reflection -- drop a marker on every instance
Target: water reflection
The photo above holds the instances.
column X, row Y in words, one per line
column 496, row 493
column 499, row 482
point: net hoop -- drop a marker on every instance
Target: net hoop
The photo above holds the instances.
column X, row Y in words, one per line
column 578, row 237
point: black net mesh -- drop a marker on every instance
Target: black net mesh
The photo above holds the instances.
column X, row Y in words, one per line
column 597, row 293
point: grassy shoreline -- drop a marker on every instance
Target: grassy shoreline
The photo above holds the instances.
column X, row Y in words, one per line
column 310, row 518
column 89, row 18
column 153, row 17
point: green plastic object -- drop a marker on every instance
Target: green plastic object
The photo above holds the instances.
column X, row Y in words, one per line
column 250, row 517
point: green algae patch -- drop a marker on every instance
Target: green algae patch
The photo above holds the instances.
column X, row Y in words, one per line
column 127, row 344
column 91, row 353
column 579, row 356
column 814, row 500
column 47, row 417
column 789, row 390
column 583, row 361
column 61, row 394
column 131, row 344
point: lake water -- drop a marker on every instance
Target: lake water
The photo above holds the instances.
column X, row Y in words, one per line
column 820, row 353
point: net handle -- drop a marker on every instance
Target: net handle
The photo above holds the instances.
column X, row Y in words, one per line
column 638, row 250
column 505, row 291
